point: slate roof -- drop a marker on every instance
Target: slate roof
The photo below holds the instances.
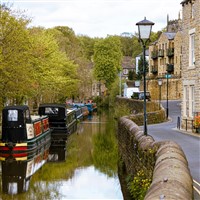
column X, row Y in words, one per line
column 170, row 36
column 127, row 62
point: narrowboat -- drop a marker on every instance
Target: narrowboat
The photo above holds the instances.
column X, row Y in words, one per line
column 78, row 113
column 62, row 122
column 17, row 172
column 82, row 106
column 92, row 107
column 22, row 133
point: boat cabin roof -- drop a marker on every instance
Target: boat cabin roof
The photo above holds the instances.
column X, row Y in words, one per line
column 16, row 114
column 22, row 108
column 54, row 111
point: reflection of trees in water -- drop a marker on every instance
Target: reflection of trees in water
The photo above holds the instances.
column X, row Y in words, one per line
column 105, row 153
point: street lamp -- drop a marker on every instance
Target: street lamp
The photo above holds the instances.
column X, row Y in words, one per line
column 160, row 84
column 167, row 109
column 144, row 29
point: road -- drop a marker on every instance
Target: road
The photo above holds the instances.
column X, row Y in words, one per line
column 190, row 143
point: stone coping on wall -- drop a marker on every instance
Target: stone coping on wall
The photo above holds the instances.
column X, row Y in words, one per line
column 171, row 175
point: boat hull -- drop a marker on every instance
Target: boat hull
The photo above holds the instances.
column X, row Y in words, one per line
column 24, row 148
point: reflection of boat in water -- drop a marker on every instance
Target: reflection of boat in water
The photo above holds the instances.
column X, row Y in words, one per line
column 61, row 121
column 17, row 172
column 57, row 153
column 23, row 134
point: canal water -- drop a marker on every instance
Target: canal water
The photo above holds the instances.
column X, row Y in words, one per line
column 86, row 169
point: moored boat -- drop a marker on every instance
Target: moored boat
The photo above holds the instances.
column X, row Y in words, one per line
column 82, row 106
column 61, row 121
column 78, row 113
column 22, row 133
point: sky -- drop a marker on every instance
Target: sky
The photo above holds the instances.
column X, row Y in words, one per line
column 98, row 18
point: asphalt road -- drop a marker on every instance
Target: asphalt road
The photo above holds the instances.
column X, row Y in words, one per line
column 190, row 143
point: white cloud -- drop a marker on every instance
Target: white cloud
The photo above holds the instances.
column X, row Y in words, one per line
column 99, row 17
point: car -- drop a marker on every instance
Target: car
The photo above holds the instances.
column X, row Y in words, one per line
column 148, row 96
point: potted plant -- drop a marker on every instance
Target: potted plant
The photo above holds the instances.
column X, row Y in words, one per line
column 197, row 123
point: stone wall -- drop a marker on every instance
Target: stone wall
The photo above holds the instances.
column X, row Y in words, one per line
column 164, row 161
column 155, row 113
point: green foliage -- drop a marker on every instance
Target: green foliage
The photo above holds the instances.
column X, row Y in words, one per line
column 87, row 44
column 105, row 155
column 131, row 75
column 127, row 46
column 140, row 68
column 52, row 70
column 121, row 110
column 107, row 59
column 14, row 55
column 139, row 185
column 80, row 50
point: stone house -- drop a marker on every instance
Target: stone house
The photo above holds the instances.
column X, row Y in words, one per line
column 165, row 64
column 190, row 62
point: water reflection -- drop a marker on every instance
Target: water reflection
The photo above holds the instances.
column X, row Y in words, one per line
column 89, row 183
column 88, row 169
column 57, row 153
column 17, row 172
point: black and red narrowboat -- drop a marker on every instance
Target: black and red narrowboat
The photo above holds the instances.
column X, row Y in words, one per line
column 23, row 133
column 61, row 121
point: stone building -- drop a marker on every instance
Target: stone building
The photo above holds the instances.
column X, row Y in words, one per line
column 190, row 62
column 165, row 64
column 127, row 66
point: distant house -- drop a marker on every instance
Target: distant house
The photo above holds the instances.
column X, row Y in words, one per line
column 190, row 61
column 127, row 65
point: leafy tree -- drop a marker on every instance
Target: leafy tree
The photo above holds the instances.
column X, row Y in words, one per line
column 79, row 50
column 127, row 45
column 87, row 45
column 54, row 76
column 14, row 55
column 107, row 59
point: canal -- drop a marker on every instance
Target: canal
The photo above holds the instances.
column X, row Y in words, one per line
column 86, row 169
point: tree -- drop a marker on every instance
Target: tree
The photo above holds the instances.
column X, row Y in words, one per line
column 14, row 54
column 54, row 75
column 127, row 45
column 140, row 68
column 107, row 59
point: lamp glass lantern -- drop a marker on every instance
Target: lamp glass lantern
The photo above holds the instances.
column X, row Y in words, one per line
column 159, row 82
column 144, row 29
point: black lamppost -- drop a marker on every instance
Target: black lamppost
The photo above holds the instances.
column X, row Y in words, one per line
column 167, row 109
column 160, row 84
column 144, row 29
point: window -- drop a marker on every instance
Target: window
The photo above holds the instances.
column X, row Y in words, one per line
column 125, row 71
column 12, row 115
column 192, row 11
column 51, row 110
column 188, row 101
column 192, row 48
column 192, row 100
